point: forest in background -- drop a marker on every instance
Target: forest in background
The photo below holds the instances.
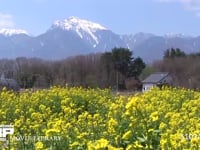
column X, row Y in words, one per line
column 104, row 70
column 184, row 68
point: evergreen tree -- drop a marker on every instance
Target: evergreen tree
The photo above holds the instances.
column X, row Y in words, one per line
column 123, row 62
column 172, row 53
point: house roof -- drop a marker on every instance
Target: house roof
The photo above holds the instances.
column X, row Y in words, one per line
column 9, row 83
column 156, row 77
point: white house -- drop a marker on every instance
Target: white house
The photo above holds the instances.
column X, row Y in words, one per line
column 156, row 79
column 10, row 84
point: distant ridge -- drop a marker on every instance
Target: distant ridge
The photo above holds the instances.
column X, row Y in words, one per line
column 10, row 32
column 75, row 36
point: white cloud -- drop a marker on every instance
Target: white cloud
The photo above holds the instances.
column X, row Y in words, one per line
column 192, row 5
column 6, row 20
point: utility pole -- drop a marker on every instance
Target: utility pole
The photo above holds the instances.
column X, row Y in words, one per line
column 117, row 80
column 117, row 67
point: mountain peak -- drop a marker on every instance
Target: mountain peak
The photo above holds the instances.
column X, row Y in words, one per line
column 10, row 32
column 82, row 27
column 75, row 23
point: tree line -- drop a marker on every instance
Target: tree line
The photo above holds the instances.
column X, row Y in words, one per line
column 113, row 69
column 104, row 70
column 184, row 68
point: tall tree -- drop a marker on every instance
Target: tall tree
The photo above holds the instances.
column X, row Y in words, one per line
column 172, row 53
column 135, row 68
column 107, row 67
column 126, row 64
column 121, row 60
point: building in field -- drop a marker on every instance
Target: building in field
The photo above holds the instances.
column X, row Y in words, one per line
column 156, row 79
column 9, row 84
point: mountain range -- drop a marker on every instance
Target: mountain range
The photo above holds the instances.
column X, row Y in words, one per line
column 75, row 36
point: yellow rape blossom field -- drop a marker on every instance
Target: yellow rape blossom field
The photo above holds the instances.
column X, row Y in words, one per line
column 63, row 118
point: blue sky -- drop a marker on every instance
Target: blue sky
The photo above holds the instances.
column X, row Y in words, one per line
column 121, row 16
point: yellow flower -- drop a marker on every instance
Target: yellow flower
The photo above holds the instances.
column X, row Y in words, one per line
column 74, row 145
column 150, row 130
column 162, row 126
column 102, row 143
column 154, row 116
column 163, row 143
column 51, row 132
column 39, row 146
column 98, row 145
column 112, row 123
column 138, row 145
column 113, row 148
column 127, row 135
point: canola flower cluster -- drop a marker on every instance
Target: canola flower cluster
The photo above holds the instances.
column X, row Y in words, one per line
column 96, row 119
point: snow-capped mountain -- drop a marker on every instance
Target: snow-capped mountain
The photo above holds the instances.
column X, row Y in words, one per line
column 77, row 24
column 134, row 40
column 75, row 36
column 84, row 28
column 176, row 35
column 10, row 32
column 78, row 36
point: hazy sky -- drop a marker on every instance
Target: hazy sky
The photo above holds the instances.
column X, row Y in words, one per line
column 121, row 16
